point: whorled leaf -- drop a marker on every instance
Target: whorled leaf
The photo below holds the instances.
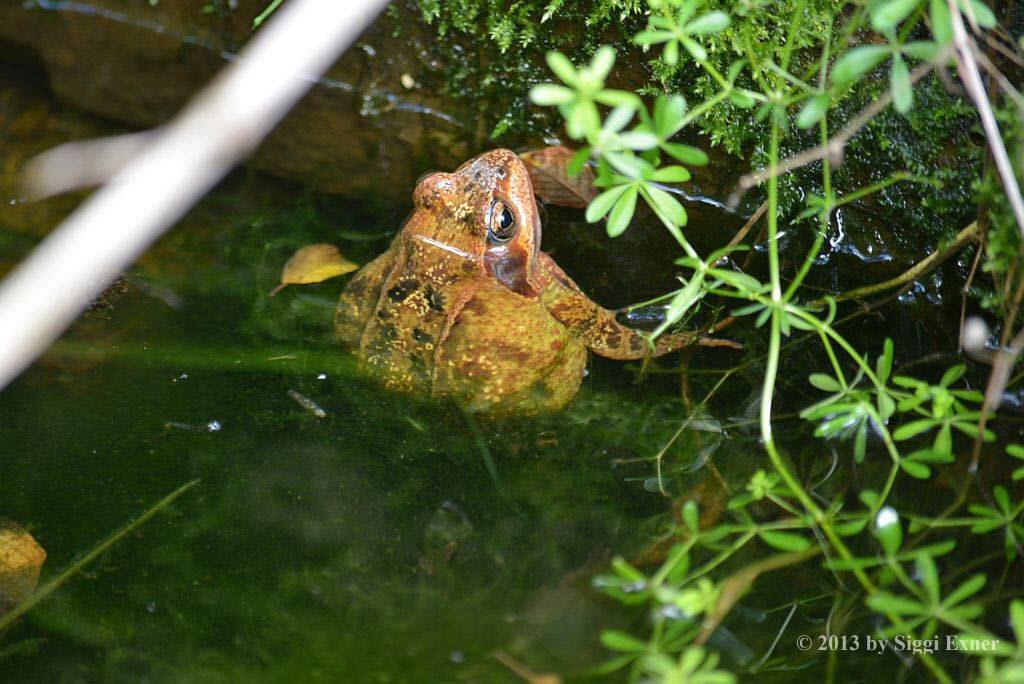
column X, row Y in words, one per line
column 899, row 83
column 622, row 213
column 857, row 62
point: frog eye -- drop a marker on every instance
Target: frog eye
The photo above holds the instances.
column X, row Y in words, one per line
column 501, row 223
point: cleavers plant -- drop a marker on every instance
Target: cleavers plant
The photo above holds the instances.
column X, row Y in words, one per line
column 891, row 558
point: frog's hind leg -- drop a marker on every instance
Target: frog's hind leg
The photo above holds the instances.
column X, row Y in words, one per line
column 596, row 326
column 359, row 299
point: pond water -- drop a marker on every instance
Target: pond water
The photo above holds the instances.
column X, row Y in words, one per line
column 391, row 539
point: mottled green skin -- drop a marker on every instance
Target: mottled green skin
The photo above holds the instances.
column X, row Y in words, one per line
column 446, row 311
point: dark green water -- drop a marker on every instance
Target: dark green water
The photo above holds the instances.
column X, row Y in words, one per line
column 392, row 540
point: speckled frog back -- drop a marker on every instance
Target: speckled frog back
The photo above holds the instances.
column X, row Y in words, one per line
column 399, row 309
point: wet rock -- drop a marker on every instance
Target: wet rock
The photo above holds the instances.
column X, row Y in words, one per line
column 21, row 558
column 367, row 129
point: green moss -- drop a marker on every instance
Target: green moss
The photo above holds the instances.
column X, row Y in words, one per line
column 497, row 52
column 494, row 51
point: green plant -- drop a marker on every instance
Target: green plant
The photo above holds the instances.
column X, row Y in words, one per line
column 687, row 603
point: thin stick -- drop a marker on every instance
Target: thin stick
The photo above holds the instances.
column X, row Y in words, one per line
column 971, row 78
column 1000, row 77
column 187, row 157
column 82, row 163
column 1002, row 366
column 971, row 232
column 967, row 284
column 1000, row 48
column 98, row 551
column 742, row 233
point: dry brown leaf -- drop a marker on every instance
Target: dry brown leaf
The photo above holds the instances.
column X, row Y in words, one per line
column 21, row 558
column 314, row 264
column 549, row 173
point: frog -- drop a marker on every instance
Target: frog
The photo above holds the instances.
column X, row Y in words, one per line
column 464, row 305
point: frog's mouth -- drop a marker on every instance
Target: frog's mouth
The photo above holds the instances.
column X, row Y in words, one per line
column 509, row 265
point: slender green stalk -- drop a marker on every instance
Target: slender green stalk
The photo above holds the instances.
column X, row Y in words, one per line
column 737, row 544
column 794, row 26
column 96, row 552
column 773, row 218
column 823, row 219
column 768, row 392
column 699, row 110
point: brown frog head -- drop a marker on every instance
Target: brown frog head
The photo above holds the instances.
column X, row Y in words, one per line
column 484, row 212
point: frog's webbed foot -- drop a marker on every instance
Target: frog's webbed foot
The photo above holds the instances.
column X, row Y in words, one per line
column 648, row 318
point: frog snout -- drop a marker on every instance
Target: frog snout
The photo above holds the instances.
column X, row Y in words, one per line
column 431, row 187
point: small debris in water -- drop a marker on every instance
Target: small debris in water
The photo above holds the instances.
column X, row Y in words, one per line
column 524, row 671
column 213, row 426
column 307, row 403
column 283, row 357
column 408, row 82
column 321, row 376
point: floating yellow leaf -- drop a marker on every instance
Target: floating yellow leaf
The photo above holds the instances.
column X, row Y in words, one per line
column 314, row 264
column 20, row 560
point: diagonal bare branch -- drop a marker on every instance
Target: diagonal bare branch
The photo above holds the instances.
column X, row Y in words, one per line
column 834, row 148
column 968, row 69
column 185, row 159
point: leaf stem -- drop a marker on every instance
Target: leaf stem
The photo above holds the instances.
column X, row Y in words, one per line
column 95, row 553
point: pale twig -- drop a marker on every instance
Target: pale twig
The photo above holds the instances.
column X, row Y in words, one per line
column 1002, row 49
column 186, row 158
column 971, row 79
column 82, row 164
column 1005, row 360
column 1002, row 365
column 1000, row 77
